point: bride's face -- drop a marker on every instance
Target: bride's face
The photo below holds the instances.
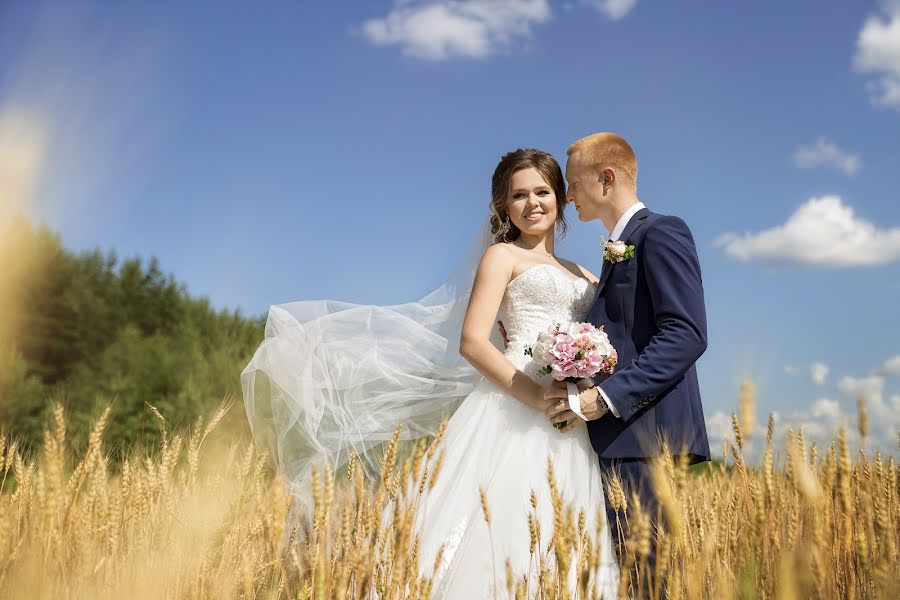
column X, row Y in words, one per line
column 531, row 204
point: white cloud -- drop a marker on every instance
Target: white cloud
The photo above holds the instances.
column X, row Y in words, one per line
column 823, row 232
column 884, row 418
column 718, row 429
column 818, row 372
column 826, row 153
column 869, row 385
column 825, row 408
column 820, row 422
column 614, row 9
column 440, row 29
column 892, row 366
column 822, row 418
column 878, row 53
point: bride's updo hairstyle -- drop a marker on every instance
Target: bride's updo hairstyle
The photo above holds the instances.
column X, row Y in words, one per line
column 503, row 229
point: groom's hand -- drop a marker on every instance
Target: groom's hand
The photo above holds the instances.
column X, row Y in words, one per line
column 592, row 406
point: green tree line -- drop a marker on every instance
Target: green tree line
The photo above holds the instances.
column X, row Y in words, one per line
column 88, row 329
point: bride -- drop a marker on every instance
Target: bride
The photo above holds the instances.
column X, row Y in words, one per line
column 332, row 378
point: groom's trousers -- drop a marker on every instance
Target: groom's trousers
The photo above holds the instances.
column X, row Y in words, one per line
column 636, row 477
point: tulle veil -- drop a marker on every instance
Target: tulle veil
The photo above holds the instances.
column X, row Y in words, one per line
column 333, row 377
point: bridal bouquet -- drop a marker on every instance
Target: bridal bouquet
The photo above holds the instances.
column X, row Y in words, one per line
column 573, row 351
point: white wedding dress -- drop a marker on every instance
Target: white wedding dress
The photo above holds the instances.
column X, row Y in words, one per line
column 497, row 443
column 333, row 379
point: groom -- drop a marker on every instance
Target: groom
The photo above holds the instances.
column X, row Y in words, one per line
column 650, row 302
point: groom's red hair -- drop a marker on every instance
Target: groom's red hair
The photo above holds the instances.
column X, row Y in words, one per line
column 607, row 149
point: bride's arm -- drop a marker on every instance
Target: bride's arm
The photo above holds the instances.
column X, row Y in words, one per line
column 494, row 273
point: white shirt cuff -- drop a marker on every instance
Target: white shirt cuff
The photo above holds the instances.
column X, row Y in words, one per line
column 612, row 407
column 575, row 399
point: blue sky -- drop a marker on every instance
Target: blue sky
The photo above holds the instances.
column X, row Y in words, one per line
column 320, row 150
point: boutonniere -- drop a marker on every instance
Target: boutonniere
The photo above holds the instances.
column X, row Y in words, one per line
column 616, row 252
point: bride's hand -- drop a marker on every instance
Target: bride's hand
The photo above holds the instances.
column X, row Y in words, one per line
column 564, row 415
column 556, row 397
column 540, row 397
column 503, row 333
column 552, row 394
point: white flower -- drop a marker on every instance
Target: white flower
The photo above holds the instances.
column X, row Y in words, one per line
column 618, row 247
column 601, row 341
column 618, row 251
column 541, row 350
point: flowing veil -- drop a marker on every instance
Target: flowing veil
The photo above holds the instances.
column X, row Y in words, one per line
column 333, row 377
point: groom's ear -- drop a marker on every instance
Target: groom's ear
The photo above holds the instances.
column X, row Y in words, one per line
column 607, row 177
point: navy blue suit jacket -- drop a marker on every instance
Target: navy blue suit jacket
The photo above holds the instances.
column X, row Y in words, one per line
column 652, row 308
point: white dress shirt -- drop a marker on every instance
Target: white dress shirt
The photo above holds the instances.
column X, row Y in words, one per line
column 623, row 221
column 614, row 237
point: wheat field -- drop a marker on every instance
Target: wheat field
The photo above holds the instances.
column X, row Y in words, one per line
column 187, row 522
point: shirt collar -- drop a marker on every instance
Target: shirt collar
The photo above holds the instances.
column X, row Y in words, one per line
column 623, row 221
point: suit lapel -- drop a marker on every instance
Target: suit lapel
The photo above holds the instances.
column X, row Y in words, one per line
column 636, row 221
column 604, row 275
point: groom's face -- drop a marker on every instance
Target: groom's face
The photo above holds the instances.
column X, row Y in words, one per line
column 585, row 188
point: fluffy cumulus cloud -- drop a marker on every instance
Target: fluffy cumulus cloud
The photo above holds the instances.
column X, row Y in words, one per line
column 817, row 372
column 823, row 232
column 883, row 414
column 869, row 385
column 826, row 153
column 892, row 366
column 822, row 418
column 718, row 429
column 878, row 54
column 439, row 29
column 820, row 422
column 614, row 9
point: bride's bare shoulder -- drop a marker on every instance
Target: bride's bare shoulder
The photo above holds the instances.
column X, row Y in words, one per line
column 498, row 252
column 497, row 258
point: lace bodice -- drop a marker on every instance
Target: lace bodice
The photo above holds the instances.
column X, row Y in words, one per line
column 537, row 298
